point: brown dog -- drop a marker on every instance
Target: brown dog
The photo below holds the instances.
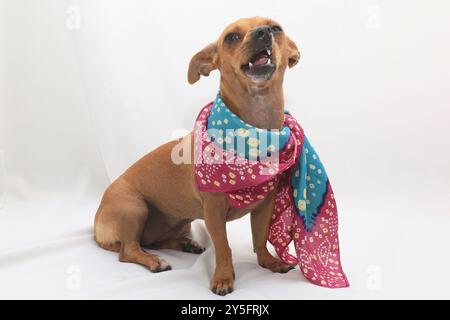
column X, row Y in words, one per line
column 154, row 202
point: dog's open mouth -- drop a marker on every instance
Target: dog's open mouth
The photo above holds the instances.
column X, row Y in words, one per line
column 260, row 66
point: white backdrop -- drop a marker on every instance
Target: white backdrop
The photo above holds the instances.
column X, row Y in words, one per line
column 88, row 87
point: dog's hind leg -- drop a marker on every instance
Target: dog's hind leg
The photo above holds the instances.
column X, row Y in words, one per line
column 132, row 252
column 119, row 223
column 178, row 237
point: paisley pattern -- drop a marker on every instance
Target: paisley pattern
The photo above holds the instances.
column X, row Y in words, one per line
column 247, row 163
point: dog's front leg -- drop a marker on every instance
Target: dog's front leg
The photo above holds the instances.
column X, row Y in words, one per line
column 215, row 208
column 260, row 221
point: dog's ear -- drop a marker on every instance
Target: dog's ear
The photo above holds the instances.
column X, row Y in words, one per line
column 294, row 54
column 203, row 63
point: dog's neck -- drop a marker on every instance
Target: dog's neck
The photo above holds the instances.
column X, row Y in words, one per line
column 260, row 107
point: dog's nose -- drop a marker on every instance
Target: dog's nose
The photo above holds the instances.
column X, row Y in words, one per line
column 262, row 33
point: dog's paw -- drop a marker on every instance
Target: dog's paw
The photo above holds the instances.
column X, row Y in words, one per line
column 192, row 246
column 159, row 266
column 222, row 286
column 275, row 265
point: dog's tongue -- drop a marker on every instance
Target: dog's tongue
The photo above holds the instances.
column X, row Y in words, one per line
column 260, row 59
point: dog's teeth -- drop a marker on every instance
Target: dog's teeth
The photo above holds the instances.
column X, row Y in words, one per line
column 268, row 51
column 250, row 64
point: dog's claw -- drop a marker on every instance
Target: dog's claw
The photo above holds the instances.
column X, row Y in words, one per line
column 223, row 291
column 277, row 266
column 222, row 287
column 289, row 268
column 161, row 266
column 192, row 247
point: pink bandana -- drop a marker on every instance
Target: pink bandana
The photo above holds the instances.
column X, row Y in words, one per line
column 246, row 181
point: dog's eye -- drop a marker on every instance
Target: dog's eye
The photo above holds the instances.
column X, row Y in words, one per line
column 276, row 29
column 231, row 37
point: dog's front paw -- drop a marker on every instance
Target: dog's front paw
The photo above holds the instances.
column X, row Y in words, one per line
column 274, row 264
column 222, row 285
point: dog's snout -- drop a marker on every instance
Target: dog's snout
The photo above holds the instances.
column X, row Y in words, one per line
column 262, row 33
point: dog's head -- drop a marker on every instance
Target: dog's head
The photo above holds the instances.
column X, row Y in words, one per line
column 255, row 51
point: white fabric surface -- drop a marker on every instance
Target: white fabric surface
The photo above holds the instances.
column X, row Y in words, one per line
column 86, row 88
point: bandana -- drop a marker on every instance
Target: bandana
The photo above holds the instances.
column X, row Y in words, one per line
column 247, row 163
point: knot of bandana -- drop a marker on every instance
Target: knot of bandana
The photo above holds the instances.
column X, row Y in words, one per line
column 247, row 163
